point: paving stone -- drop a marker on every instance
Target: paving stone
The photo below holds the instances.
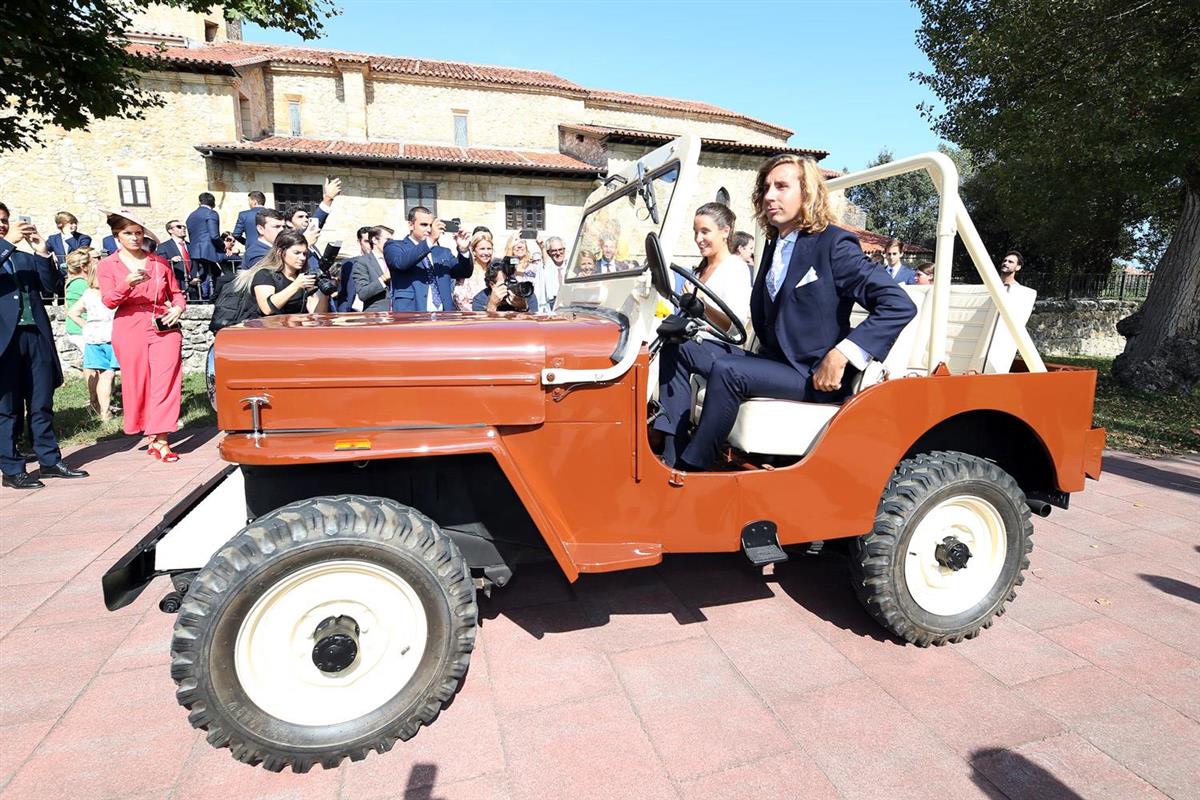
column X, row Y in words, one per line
column 542, row 656
column 1155, row 742
column 1092, row 524
column 1013, row 654
column 1182, row 503
column 1069, row 543
column 779, row 777
column 697, row 710
column 626, row 617
column 1039, row 608
column 869, row 747
column 18, row 602
column 1064, row 767
column 1168, row 550
column 592, row 748
column 147, row 645
column 19, row 741
column 209, row 772
column 53, row 558
column 1159, row 521
column 1080, row 694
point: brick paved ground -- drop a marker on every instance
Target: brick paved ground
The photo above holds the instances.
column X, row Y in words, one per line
column 697, row 679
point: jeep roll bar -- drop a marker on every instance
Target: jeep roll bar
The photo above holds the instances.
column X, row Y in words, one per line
column 952, row 218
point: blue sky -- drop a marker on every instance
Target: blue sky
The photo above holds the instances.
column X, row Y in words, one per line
column 837, row 73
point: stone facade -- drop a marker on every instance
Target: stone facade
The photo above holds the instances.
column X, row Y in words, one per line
column 343, row 99
column 1079, row 327
column 196, row 339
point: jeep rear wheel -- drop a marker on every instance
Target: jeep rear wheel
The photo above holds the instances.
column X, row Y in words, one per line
column 950, row 545
column 328, row 628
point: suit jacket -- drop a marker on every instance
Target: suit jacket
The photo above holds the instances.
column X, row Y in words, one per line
column 110, row 244
column 60, row 249
column 811, row 312
column 245, row 230
column 366, row 285
column 410, row 287
column 904, row 275
column 170, row 250
column 346, row 291
column 38, row 276
column 255, row 253
column 204, row 233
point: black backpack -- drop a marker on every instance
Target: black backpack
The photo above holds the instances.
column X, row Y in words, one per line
column 231, row 307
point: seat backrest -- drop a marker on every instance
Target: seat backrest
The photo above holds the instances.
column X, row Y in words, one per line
column 1003, row 347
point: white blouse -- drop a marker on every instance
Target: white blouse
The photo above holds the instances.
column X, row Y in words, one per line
column 731, row 282
column 97, row 328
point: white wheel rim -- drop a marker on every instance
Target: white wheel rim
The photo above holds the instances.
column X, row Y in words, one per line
column 273, row 651
column 941, row 590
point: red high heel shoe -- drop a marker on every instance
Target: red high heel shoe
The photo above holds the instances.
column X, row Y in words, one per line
column 163, row 453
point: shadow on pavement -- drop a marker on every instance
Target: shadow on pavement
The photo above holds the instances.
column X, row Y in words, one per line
column 190, row 439
column 102, row 448
column 540, row 600
column 1016, row 777
column 1145, row 473
column 1172, row 586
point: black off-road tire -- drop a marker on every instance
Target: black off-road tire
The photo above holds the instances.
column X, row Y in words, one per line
column 877, row 559
column 379, row 531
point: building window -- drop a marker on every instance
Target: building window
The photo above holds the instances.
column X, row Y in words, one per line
column 460, row 129
column 210, row 31
column 722, row 196
column 306, row 195
column 420, row 193
column 522, row 212
column 134, row 190
column 246, row 117
column 294, row 116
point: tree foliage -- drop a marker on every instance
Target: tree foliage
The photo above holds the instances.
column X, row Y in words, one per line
column 1082, row 116
column 905, row 206
column 65, row 62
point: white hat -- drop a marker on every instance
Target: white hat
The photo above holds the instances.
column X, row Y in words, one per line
column 131, row 217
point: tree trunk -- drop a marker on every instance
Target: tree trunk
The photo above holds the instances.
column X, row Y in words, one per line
column 1162, row 347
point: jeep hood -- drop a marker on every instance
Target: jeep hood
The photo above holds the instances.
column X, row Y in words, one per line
column 382, row 370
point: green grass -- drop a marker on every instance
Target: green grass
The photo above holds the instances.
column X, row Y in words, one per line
column 76, row 424
column 1149, row 423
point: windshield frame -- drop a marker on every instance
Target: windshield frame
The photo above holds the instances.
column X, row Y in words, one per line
column 634, row 188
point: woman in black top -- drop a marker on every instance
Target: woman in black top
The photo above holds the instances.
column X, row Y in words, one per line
column 282, row 283
column 496, row 296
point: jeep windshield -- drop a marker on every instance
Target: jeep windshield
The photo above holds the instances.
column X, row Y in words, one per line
column 612, row 235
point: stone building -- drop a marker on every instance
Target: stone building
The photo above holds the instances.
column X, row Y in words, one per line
column 496, row 146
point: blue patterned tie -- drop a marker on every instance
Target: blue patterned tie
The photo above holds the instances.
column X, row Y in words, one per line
column 433, row 287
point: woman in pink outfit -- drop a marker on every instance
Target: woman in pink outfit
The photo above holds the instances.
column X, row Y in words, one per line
column 146, row 336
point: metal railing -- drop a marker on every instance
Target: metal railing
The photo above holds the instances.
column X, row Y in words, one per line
column 1111, row 286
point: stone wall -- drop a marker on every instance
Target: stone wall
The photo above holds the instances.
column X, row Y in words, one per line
column 196, row 339
column 1079, row 327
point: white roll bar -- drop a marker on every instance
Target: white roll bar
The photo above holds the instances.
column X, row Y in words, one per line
column 952, row 218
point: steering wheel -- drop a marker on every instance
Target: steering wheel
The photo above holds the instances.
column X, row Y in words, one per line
column 661, row 278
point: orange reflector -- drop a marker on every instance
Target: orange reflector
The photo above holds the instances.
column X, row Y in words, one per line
column 352, row 444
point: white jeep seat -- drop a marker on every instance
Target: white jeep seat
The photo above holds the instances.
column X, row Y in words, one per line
column 974, row 343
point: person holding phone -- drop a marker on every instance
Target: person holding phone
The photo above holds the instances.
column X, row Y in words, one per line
column 146, row 334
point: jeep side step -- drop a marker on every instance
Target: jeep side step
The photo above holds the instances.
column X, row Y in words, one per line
column 760, row 543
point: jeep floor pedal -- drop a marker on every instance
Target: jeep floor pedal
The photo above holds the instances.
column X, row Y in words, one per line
column 760, row 543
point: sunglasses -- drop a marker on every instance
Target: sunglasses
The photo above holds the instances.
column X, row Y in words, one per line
column 554, row 250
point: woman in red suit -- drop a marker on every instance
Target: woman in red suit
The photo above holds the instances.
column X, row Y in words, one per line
column 146, row 336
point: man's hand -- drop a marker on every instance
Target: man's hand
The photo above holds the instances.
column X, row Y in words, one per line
column 333, row 187
column 828, row 377
column 463, row 239
column 436, row 229
column 312, row 232
column 36, row 241
column 498, row 296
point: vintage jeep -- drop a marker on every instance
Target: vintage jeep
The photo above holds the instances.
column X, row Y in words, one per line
column 387, row 467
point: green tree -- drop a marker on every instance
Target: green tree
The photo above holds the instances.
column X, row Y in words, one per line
column 1083, row 117
column 65, row 62
column 905, row 206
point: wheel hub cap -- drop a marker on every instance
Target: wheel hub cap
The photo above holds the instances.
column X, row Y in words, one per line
column 337, row 644
column 952, row 553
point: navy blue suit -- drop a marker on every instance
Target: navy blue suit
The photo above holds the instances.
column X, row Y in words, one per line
column 204, row 233
column 411, row 276
column 29, row 365
column 255, row 253
column 170, row 250
column 806, row 319
column 60, row 249
column 904, row 275
column 245, row 230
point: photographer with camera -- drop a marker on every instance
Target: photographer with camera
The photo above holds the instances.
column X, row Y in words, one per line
column 283, row 283
column 504, row 291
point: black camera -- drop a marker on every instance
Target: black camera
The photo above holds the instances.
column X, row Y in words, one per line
column 519, row 288
column 328, row 270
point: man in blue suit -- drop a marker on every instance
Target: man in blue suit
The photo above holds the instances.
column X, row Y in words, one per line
column 891, row 262
column 245, row 230
column 268, row 223
column 67, row 239
column 204, row 229
column 423, row 273
column 812, row 274
column 29, row 365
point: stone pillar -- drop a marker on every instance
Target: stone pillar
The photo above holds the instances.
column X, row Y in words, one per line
column 354, row 99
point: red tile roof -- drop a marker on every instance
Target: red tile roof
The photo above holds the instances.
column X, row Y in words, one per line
column 414, row 154
column 634, row 136
column 877, row 242
column 686, row 106
column 244, row 54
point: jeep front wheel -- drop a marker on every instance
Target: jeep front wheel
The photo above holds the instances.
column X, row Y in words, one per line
column 328, row 628
column 950, row 544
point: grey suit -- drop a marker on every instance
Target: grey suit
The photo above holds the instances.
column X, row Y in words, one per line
column 365, row 277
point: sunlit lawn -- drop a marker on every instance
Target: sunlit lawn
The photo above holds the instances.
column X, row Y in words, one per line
column 76, row 424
